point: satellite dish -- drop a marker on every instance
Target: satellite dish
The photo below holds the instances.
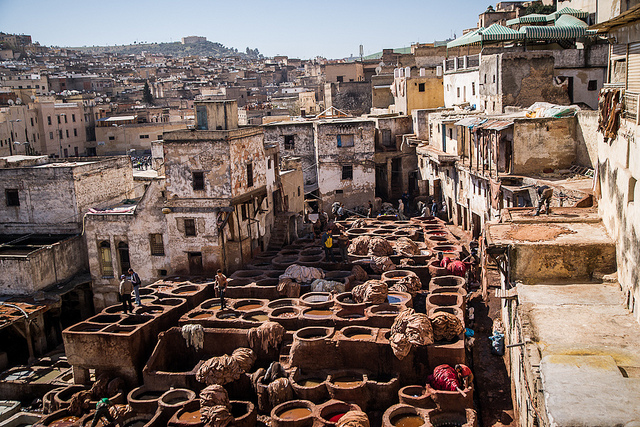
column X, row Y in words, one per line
column 10, row 102
column 107, row 100
column 18, row 101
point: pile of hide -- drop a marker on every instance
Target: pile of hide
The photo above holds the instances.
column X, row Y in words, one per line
column 446, row 326
column 226, row 368
column 267, row 335
column 381, row 264
column 302, row 274
column 193, row 334
column 409, row 328
column 407, row 247
column 215, row 407
column 359, row 274
column 354, row 419
column 367, row 245
column 322, row 285
column 410, row 284
column 372, row 292
column 288, row 288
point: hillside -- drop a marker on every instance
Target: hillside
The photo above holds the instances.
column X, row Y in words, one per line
column 176, row 49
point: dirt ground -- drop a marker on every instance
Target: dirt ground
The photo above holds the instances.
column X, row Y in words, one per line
column 492, row 383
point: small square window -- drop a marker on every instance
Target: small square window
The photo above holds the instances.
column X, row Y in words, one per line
column 592, row 85
column 198, row 181
column 162, row 273
column 345, row 140
column 155, row 241
column 111, row 138
column 50, row 135
column 339, row 191
column 420, row 87
column 347, row 172
column 243, row 210
column 289, row 143
column 189, row 227
column 12, row 197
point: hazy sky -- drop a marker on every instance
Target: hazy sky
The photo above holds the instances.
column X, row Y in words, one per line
column 302, row 29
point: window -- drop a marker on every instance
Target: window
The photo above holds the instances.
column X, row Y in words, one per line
column 189, row 227
column 50, row 135
column 473, row 88
column 75, row 132
column 339, row 191
column 298, row 191
column 289, row 142
column 60, row 134
column 105, row 259
column 249, row 174
column 49, row 120
column 31, row 121
column 386, row 137
column 67, row 131
column 159, row 137
column 494, row 78
column 450, row 133
column 347, row 172
column 144, row 136
column 65, row 119
column 485, row 79
column 345, row 140
column 592, row 85
column 162, row 273
column 632, row 190
column 11, row 196
column 201, row 116
column 339, row 79
column 420, row 87
column 458, row 92
column 73, row 118
column 155, row 241
column 269, row 163
column 112, row 138
column 198, row 180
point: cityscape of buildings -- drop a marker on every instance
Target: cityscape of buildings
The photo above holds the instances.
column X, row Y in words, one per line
column 179, row 166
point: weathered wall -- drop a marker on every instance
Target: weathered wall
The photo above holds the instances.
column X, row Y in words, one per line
column 468, row 83
column 54, row 197
column 126, row 137
column 351, row 97
column 581, row 78
column 539, row 144
column 57, row 263
column 381, row 96
column 245, row 149
column 302, row 145
column 619, row 169
column 587, row 138
column 359, row 190
column 527, row 78
column 134, row 230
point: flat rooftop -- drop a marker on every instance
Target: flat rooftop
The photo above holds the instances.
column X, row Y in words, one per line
column 589, row 346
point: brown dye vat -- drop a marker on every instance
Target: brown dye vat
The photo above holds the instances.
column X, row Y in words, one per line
column 310, row 382
column 248, row 306
column 184, row 290
column 64, row 422
column 86, row 327
column 105, row 318
column 347, row 381
column 443, row 300
column 357, row 333
column 317, row 314
column 295, row 413
column 257, row 317
column 407, row 420
column 317, row 299
column 201, row 316
column 285, row 312
column 284, row 302
column 227, row 314
column 190, row 416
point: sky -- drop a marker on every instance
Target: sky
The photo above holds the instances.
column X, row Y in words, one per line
column 302, row 29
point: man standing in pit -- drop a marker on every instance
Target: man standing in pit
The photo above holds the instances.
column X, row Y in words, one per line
column 221, row 287
column 544, row 197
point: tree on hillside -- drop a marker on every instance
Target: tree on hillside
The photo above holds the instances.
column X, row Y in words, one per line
column 146, row 94
column 539, row 8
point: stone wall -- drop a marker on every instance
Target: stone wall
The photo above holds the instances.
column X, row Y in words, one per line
column 540, row 144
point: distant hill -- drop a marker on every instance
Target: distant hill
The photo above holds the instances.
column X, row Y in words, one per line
column 175, row 49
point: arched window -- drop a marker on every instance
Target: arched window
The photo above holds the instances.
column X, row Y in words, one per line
column 105, row 259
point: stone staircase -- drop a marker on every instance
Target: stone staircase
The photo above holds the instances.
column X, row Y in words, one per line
column 280, row 231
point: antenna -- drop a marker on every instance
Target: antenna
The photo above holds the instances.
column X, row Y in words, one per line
column 361, row 52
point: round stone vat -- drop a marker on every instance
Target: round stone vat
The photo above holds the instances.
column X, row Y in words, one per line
column 435, row 270
column 152, row 310
column 287, row 316
column 416, row 395
column 244, row 413
column 295, row 413
column 246, row 274
column 348, row 385
column 402, row 415
column 330, row 412
column 228, row 314
column 258, row 316
column 283, row 302
column 358, row 333
column 176, row 398
column 212, row 304
column 143, row 400
column 105, row 318
column 185, row 290
column 201, row 314
column 310, row 386
column 459, row 418
column 247, row 305
column 399, row 298
column 317, row 299
column 345, row 300
column 188, row 415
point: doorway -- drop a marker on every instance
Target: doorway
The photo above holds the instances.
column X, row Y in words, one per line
column 123, row 255
column 195, row 263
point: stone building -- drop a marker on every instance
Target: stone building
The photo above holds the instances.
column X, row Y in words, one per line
column 296, row 138
column 212, row 206
column 416, row 89
column 345, row 155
